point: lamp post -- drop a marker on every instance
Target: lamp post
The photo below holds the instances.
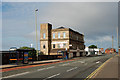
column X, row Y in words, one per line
column 36, row 32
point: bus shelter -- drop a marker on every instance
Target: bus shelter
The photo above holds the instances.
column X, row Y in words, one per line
column 64, row 54
column 23, row 56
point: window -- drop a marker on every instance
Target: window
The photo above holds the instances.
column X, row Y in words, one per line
column 64, row 45
column 64, row 34
column 43, row 46
column 43, row 35
column 77, row 37
column 58, row 45
column 53, row 45
column 59, row 35
column 53, row 35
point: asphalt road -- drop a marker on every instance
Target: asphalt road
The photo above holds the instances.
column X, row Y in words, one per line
column 77, row 69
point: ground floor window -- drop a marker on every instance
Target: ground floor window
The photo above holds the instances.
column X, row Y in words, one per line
column 58, row 45
column 53, row 45
column 43, row 46
column 64, row 45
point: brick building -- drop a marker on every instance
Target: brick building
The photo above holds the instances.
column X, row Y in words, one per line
column 110, row 50
column 52, row 41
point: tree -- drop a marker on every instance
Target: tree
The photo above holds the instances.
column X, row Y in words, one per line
column 24, row 47
column 92, row 46
column 30, row 52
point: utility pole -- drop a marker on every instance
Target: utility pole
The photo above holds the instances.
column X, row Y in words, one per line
column 117, row 39
column 112, row 42
column 36, row 32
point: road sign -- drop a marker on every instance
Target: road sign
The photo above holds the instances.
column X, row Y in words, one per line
column 70, row 45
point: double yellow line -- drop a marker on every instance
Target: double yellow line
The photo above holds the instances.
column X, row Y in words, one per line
column 93, row 73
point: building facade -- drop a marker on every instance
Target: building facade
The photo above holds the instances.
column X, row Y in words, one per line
column 110, row 50
column 52, row 41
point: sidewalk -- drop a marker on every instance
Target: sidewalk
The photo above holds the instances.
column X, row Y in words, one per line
column 110, row 69
column 35, row 62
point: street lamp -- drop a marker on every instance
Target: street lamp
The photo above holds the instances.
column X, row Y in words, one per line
column 36, row 32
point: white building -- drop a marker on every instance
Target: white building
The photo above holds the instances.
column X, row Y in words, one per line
column 92, row 51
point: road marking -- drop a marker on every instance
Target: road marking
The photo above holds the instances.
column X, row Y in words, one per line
column 97, row 62
column 41, row 69
column 81, row 62
column 45, row 68
column 16, row 75
column 50, row 67
column 64, row 64
column 71, row 69
column 52, row 76
column 98, row 69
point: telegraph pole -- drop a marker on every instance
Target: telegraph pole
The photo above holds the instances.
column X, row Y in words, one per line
column 36, row 32
column 112, row 42
column 117, row 39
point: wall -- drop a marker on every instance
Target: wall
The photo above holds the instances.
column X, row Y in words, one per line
column 76, row 40
column 45, row 29
column 60, row 40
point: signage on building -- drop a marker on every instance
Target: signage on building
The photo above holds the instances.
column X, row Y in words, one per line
column 70, row 45
column 59, row 42
column 61, row 45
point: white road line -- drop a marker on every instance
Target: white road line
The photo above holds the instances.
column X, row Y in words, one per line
column 50, row 67
column 81, row 61
column 71, row 69
column 16, row 75
column 45, row 68
column 98, row 62
column 41, row 69
column 64, row 64
column 52, row 76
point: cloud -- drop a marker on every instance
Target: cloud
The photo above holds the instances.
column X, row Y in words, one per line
column 100, row 39
column 98, row 21
column 61, row 1
column 92, row 19
column 32, row 35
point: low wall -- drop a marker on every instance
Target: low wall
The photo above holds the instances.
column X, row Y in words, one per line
column 49, row 57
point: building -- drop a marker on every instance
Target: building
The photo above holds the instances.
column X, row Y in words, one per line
column 93, row 51
column 102, row 50
column 110, row 50
column 53, row 41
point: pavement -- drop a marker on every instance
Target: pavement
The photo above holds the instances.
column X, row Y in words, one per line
column 79, row 69
column 110, row 69
column 32, row 63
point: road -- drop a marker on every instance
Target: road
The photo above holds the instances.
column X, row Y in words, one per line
column 79, row 68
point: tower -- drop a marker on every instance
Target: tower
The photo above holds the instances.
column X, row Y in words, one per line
column 45, row 38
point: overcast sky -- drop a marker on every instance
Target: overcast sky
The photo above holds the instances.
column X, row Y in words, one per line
column 98, row 21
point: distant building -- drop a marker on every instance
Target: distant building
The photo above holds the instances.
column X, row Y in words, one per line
column 102, row 50
column 92, row 51
column 110, row 50
column 53, row 41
